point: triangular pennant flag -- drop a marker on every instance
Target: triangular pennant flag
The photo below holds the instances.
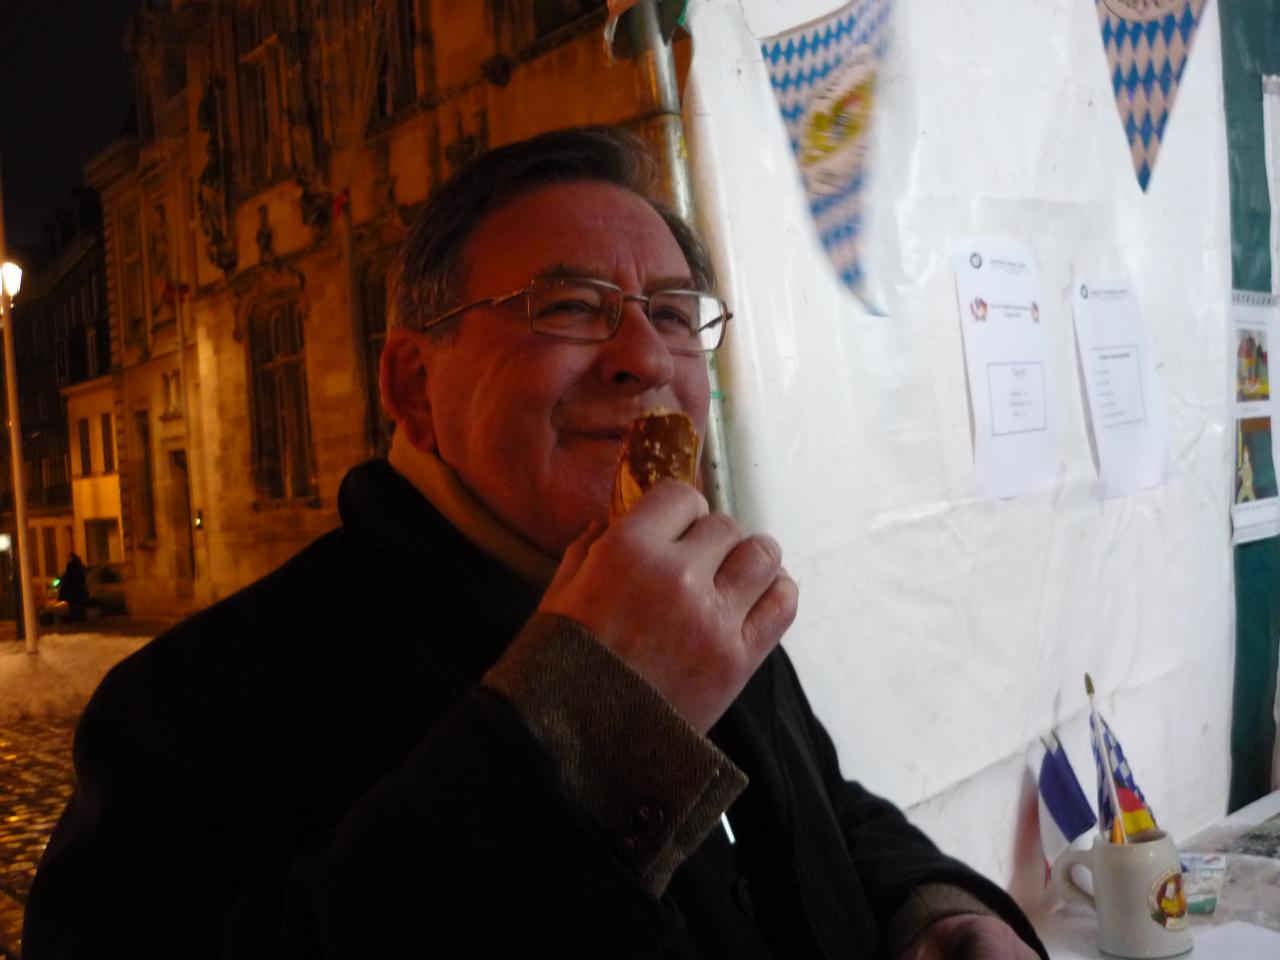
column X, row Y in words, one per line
column 824, row 76
column 1147, row 43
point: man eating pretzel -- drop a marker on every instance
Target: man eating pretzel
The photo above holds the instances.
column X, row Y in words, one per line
column 477, row 720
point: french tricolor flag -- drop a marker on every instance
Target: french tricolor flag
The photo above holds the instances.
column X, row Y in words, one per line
column 1064, row 810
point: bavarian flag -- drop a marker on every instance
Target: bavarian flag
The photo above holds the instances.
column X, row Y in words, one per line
column 1135, row 815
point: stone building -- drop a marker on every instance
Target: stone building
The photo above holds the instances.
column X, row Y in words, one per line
column 61, row 336
column 282, row 148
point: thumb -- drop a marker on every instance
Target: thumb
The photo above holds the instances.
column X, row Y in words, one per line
column 576, row 554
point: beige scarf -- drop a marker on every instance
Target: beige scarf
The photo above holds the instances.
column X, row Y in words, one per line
column 440, row 485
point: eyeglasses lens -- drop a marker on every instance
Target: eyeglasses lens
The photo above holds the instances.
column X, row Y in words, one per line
column 687, row 321
column 571, row 309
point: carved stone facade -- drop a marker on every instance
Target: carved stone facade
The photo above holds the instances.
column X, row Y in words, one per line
column 283, row 148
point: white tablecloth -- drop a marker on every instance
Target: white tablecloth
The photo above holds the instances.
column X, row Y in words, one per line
column 1070, row 931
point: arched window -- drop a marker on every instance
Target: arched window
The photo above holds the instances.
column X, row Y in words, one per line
column 284, row 463
column 260, row 93
column 397, row 72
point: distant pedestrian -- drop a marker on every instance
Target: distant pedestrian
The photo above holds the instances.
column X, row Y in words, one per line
column 73, row 589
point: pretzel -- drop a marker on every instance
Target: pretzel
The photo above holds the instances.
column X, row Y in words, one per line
column 660, row 445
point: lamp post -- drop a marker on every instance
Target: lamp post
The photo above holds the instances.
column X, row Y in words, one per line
column 10, row 281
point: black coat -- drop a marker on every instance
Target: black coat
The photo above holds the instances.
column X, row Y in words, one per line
column 72, row 585
column 309, row 769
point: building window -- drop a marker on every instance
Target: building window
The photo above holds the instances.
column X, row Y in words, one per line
column 172, row 393
column 175, row 72
column 101, row 541
column 131, row 274
column 397, row 76
column 373, row 319
column 50, row 535
column 86, row 454
column 108, row 444
column 259, row 94
column 41, row 337
column 91, row 351
column 146, row 479
column 146, row 118
column 283, row 459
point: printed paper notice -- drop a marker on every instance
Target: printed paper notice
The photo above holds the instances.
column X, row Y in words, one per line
column 1126, row 408
column 1255, row 508
column 1006, row 354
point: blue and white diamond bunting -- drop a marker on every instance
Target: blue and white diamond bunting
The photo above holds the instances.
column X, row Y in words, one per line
column 824, row 75
column 1147, row 44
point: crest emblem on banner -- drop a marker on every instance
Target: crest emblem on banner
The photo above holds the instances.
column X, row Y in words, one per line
column 1147, row 43
column 824, row 76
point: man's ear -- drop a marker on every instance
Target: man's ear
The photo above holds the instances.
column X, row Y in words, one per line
column 402, row 380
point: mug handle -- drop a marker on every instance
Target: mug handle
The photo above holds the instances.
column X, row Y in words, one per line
column 1063, row 884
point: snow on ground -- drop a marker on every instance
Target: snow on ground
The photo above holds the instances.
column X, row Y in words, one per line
column 57, row 681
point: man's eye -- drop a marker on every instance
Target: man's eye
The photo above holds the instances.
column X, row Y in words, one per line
column 568, row 310
column 669, row 319
column 567, row 313
column 570, row 306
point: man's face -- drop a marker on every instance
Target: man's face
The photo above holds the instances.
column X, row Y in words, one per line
column 532, row 426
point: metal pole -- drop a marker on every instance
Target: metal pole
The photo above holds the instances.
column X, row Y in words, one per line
column 15, row 453
column 653, row 56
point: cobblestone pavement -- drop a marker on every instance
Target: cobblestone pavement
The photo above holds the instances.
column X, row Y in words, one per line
column 35, row 757
column 35, row 782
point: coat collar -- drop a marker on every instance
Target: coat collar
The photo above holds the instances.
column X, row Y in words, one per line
column 434, row 479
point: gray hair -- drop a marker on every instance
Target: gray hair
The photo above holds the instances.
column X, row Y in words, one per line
column 428, row 273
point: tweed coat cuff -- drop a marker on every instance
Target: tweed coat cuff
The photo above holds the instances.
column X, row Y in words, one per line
column 927, row 904
column 653, row 784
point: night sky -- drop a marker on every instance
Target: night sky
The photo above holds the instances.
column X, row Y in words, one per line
column 65, row 92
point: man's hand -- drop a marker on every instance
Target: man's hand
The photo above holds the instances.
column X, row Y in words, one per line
column 968, row 937
column 680, row 595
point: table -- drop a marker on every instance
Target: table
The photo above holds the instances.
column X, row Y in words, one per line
column 1070, row 933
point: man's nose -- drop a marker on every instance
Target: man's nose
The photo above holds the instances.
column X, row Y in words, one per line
column 636, row 352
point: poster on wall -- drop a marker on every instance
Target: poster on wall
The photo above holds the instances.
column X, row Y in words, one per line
column 1147, row 43
column 1255, row 505
column 1006, row 352
column 1126, row 408
column 824, row 76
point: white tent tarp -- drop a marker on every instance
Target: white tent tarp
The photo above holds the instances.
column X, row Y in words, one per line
column 940, row 633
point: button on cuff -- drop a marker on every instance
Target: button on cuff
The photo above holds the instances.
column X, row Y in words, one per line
column 648, row 817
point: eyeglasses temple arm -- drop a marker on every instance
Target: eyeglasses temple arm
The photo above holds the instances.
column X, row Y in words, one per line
column 486, row 302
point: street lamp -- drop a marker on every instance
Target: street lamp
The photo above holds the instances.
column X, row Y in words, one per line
column 11, row 274
column 10, row 283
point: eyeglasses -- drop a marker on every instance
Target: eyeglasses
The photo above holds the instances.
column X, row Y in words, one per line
column 582, row 310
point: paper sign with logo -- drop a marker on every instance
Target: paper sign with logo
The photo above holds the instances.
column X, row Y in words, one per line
column 1126, row 408
column 1006, row 351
